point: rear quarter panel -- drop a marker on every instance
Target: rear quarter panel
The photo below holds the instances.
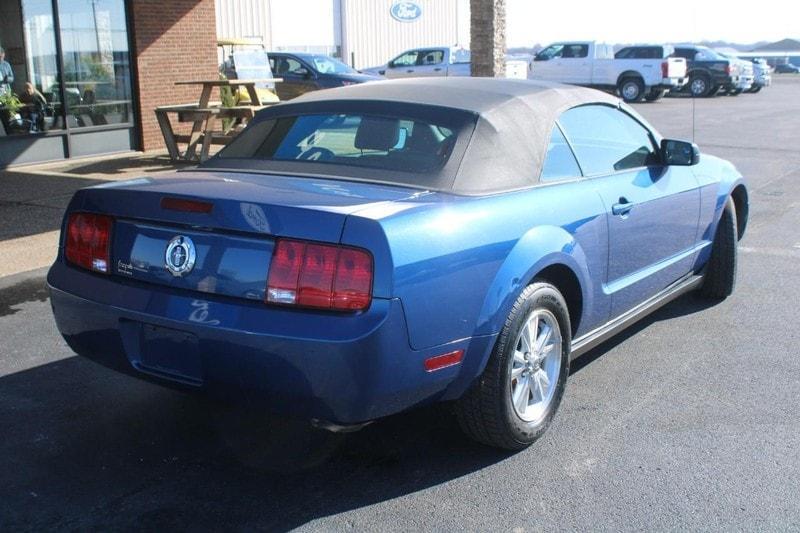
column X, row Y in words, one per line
column 458, row 263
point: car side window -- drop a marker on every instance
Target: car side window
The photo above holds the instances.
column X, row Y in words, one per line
column 575, row 51
column 551, row 52
column 286, row 65
column 431, row 57
column 559, row 162
column 607, row 139
column 625, row 53
column 406, row 60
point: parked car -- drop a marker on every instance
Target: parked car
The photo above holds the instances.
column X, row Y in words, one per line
column 762, row 74
column 787, row 68
column 707, row 70
column 426, row 62
column 640, row 72
column 746, row 73
column 365, row 250
column 302, row 73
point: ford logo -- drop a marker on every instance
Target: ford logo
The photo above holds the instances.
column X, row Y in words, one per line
column 406, row 11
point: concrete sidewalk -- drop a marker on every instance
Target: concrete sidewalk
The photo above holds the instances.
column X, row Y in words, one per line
column 33, row 200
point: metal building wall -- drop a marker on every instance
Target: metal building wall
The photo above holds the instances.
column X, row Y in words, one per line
column 244, row 18
column 371, row 37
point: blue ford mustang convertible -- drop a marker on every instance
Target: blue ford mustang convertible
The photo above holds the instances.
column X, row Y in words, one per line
column 361, row 251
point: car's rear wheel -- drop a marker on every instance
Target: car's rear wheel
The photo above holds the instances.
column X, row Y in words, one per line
column 513, row 402
column 631, row 89
column 755, row 89
column 720, row 277
column 699, row 86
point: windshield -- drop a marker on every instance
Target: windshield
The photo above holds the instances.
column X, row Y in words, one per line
column 329, row 65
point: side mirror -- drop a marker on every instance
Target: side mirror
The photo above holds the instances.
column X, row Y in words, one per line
column 390, row 64
column 679, row 153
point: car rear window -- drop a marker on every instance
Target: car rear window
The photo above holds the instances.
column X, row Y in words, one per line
column 347, row 139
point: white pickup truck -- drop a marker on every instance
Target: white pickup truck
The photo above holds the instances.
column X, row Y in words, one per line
column 421, row 62
column 635, row 76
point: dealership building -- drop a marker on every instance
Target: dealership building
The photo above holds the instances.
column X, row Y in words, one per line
column 86, row 75
column 363, row 33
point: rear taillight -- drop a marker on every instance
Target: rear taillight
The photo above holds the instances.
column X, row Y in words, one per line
column 664, row 69
column 728, row 69
column 321, row 276
column 88, row 241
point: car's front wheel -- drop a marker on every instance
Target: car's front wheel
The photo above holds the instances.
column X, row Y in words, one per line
column 513, row 402
column 720, row 275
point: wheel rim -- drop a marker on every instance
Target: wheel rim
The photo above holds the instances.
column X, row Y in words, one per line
column 630, row 91
column 536, row 365
column 698, row 86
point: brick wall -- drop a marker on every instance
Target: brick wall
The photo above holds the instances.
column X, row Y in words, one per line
column 173, row 40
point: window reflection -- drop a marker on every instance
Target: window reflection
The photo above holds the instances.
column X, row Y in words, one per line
column 29, row 94
column 97, row 81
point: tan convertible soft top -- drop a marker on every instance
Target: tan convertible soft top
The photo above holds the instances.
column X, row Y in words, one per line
column 514, row 121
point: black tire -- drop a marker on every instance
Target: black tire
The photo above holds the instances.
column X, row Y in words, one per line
column 631, row 89
column 699, row 85
column 485, row 412
column 714, row 90
column 654, row 95
column 754, row 89
column 720, row 276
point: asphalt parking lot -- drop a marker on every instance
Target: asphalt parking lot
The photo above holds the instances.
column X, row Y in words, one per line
column 687, row 421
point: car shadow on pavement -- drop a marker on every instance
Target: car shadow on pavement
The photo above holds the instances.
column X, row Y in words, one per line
column 685, row 305
column 86, row 448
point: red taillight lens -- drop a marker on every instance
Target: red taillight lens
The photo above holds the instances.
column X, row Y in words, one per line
column 88, row 241
column 664, row 69
column 321, row 276
column 728, row 69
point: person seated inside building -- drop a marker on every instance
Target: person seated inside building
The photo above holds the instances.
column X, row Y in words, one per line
column 35, row 109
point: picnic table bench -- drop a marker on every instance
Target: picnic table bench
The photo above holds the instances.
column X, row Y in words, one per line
column 204, row 116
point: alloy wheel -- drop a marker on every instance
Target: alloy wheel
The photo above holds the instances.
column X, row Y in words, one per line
column 535, row 366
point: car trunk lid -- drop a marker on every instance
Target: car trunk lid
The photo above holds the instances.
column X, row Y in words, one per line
column 228, row 220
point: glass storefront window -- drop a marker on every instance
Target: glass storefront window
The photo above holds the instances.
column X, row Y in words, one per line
column 29, row 89
column 96, row 59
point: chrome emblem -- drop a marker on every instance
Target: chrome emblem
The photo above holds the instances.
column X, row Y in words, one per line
column 180, row 255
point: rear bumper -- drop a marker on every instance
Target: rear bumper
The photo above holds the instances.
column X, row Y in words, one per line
column 671, row 83
column 343, row 369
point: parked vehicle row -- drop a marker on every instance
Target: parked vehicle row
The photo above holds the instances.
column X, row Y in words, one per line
column 636, row 72
column 640, row 72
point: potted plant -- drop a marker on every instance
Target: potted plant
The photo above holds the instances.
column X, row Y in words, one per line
column 9, row 107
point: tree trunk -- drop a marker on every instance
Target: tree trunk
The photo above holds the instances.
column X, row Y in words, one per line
column 488, row 38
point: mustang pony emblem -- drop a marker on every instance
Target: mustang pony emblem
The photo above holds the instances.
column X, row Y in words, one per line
column 180, row 255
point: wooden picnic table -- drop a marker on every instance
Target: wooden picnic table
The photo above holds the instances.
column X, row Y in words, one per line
column 204, row 116
column 208, row 86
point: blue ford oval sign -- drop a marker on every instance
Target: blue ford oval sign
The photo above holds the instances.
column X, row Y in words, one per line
column 406, row 11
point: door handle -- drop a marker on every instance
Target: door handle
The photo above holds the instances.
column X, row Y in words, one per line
column 622, row 208
column 410, row 70
column 437, row 69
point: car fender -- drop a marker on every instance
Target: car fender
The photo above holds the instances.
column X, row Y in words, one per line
column 539, row 248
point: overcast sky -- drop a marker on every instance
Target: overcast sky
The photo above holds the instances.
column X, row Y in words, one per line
column 542, row 21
